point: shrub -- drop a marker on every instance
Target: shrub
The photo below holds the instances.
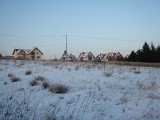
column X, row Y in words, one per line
column 107, row 74
column 39, row 78
column 14, row 79
column 77, row 67
column 33, row 83
column 28, row 72
column 10, row 75
column 45, row 85
column 137, row 72
column 5, row 83
column 58, row 89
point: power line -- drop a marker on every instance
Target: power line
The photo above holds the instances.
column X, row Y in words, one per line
column 102, row 38
column 14, row 35
column 72, row 36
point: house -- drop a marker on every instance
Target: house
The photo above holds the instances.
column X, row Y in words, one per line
column 111, row 56
column 1, row 56
column 86, row 56
column 68, row 57
column 118, row 57
column 27, row 54
column 8, row 57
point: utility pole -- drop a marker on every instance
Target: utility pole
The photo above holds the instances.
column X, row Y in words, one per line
column 66, row 44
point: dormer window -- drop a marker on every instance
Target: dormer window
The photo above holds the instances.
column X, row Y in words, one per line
column 22, row 52
column 32, row 53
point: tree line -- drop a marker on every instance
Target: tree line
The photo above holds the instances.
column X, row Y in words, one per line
column 146, row 54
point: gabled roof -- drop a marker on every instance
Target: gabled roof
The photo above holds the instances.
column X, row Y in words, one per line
column 110, row 55
column 37, row 49
column 25, row 51
column 66, row 57
column 85, row 54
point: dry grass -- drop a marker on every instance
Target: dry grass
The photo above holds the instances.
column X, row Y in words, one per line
column 134, row 63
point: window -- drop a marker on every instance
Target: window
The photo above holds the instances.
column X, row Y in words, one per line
column 38, row 56
column 37, row 52
column 22, row 52
column 32, row 53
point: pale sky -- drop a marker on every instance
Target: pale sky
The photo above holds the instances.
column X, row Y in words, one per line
column 99, row 26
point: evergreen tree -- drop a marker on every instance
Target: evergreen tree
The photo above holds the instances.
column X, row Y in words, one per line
column 146, row 53
column 139, row 55
column 153, row 56
column 132, row 57
column 158, row 53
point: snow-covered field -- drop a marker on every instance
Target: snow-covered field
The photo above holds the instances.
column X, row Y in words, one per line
column 95, row 91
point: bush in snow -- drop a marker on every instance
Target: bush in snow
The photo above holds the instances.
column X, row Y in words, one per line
column 137, row 72
column 40, row 78
column 5, row 83
column 28, row 72
column 10, row 75
column 14, row 79
column 33, row 83
column 45, row 85
column 106, row 74
column 58, row 88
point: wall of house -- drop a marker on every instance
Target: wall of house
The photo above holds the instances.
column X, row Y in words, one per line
column 19, row 56
column 15, row 55
column 37, row 56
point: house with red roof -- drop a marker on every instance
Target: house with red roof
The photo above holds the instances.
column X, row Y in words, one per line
column 111, row 56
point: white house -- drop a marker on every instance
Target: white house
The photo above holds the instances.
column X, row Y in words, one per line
column 28, row 54
column 86, row 56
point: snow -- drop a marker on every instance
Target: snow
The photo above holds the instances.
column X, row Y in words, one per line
column 95, row 91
